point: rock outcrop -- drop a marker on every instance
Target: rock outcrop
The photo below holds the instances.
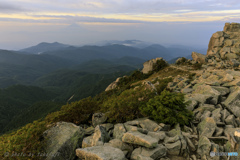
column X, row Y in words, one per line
column 224, row 47
column 62, row 140
column 198, row 57
column 113, row 85
column 148, row 66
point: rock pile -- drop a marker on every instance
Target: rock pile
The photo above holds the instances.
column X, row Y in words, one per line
column 214, row 98
column 224, row 47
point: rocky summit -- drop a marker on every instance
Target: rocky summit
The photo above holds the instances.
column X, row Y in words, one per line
column 211, row 92
column 224, row 47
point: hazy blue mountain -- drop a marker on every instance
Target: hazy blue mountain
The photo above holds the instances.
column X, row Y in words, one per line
column 86, row 53
column 130, row 43
column 44, row 47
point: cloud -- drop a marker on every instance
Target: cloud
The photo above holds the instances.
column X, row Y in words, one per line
column 9, row 8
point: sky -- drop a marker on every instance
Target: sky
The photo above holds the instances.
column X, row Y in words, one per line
column 24, row 23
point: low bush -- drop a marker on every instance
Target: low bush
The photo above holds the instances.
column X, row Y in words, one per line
column 126, row 106
column 183, row 61
column 25, row 140
column 163, row 84
column 159, row 65
column 197, row 66
column 168, row 108
column 77, row 112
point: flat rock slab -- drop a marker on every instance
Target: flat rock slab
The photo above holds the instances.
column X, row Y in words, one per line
column 62, row 140
column 140, row 139
column 207, row 127
column 100, row 153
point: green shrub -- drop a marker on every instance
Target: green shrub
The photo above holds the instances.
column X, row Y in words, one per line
column 25, row 140
column 168, row 108
column 182, row 61
column 159, row 65
column 126, row 106
column 163, row 85
column 135, row 76
column 77, row 112
column 197, row 66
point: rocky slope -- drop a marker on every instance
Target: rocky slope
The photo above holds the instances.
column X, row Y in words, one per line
column 213, row 95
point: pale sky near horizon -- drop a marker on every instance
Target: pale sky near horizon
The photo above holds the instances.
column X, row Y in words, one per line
column 186, row 22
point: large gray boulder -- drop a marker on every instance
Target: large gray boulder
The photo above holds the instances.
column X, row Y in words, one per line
column 204, row 146
column 155, row 153
column 117, row 143
column 99, row 137
column 140, row 139
column 207, row 90
column 174, row 148
column 118, row 131
column 145, row 124
column 100, row 153
column 62, row 140
column 233, row 103
column 207, row 127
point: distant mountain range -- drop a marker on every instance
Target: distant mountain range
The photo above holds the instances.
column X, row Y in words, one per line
column 53, row 72
column 44, row 47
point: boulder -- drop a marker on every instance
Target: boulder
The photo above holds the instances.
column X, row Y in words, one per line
column 222, row 90
column 87, row 142
column 207, row 127
column 113, row 85
column 172, row 143
column 157, row 135
column 100, row 153
column 155, row 153
column 204, row 146
column 230, row 120
column 140, row 157
column 149, row 125
column 135, row 128
column 140, row 139
column 174, row 148
column 100, row 136
column 145, row 124
column 62, row 140
column 190, row 144
column 216, row 114
column 98, row 118
column 136, row 153
column 148, row 66
column 233, row 103
column 224, row 114
column 207, row 90
column 107, row 126
column 117, row 143
column 118, row 131
column 198, row 57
